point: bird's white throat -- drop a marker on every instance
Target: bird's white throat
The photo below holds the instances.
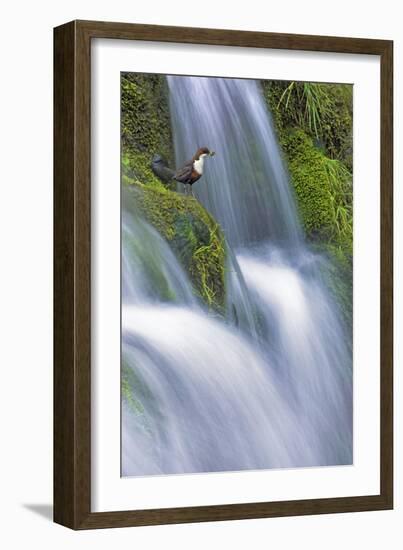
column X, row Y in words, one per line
column 198, row 164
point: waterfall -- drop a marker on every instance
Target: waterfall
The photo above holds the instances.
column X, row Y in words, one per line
column 269, row 386
column 245, row 186
column 150, row 271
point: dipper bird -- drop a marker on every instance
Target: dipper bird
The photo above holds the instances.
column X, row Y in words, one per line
column 192, row 170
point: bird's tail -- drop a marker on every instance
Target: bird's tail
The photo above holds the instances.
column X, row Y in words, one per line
column 161, row 169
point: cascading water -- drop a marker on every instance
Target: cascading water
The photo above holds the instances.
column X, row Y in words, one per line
column 246, row 188
column 270, row 386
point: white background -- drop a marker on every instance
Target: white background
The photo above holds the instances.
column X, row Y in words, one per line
column 26, row 282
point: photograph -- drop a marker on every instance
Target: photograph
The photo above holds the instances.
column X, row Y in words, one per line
column 201, row 325
column 236, row 274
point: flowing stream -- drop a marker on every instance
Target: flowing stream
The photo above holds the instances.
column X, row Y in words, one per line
column 270, row 386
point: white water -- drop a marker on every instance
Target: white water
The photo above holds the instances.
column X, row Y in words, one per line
column 270, row 386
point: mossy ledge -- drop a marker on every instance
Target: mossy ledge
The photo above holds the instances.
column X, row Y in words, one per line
column 193, row 235
column 321, row 186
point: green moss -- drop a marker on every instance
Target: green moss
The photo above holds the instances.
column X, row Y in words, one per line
column 136, row 169
column 309, row 177
column 207, row 268
column 192, row 233
column 323, row 111
column 145, row 122
column 314, row 126
column 322, row 188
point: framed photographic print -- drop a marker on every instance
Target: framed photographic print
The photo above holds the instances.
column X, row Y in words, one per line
column 223, row 275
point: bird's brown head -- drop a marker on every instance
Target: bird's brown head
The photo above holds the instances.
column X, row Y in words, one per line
column 203, row 151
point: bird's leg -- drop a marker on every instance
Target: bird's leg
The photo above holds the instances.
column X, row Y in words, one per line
column 185, row 188
column 191, row 190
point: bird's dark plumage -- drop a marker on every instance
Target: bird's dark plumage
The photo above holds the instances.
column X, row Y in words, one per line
column 160, row 169
column 188, row 173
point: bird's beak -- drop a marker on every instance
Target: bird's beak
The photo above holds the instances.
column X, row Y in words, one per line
column 212, row 153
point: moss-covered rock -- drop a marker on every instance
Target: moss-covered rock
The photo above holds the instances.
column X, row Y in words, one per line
column 192, row 233
column 309, row 178
column 145, row 122
column 136, row 168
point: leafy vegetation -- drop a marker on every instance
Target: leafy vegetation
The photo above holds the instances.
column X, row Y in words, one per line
column 314, row 125
column 340, row 187
column 312, row 102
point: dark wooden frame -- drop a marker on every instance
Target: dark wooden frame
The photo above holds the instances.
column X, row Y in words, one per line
column 72, row 319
